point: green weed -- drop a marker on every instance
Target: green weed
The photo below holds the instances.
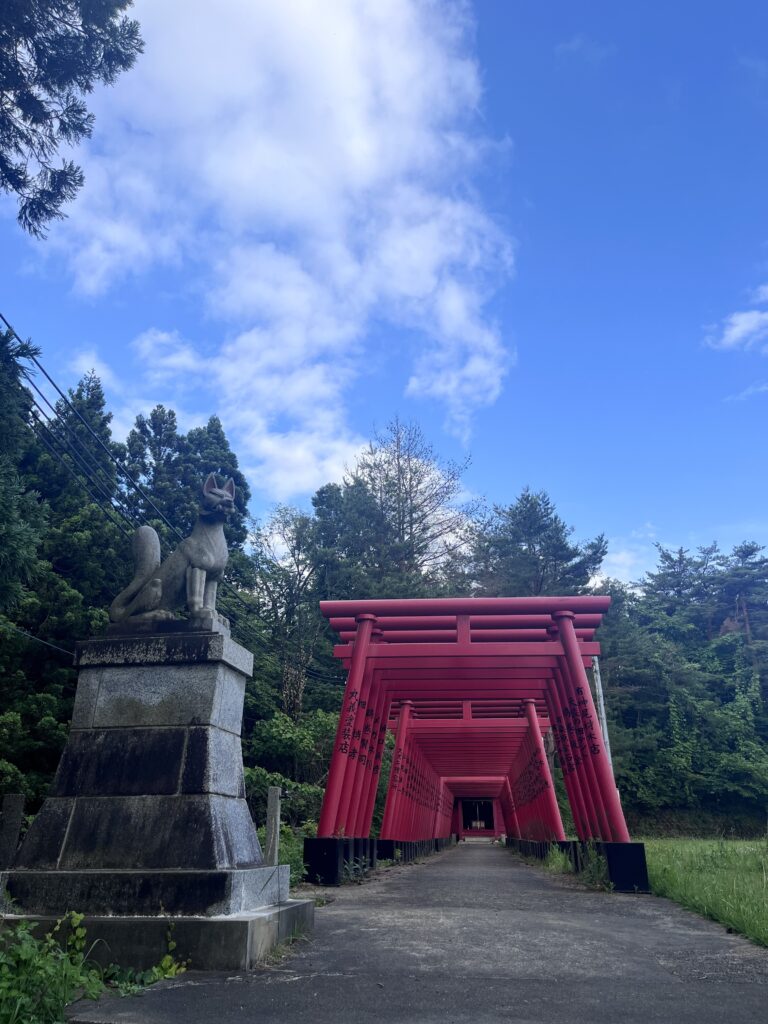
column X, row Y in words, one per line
column 41, row 975
column 594, row 867
column 355, row 871
column 558, row 862
column 592, row 870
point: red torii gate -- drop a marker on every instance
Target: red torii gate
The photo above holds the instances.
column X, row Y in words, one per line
column 470, row 687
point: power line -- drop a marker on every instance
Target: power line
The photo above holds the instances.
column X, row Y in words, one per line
column 134, row 483
column 82, row 459
column 89, row 466
column 51, row 443
column 79, row 480
column 92, row 432
column 4, row 624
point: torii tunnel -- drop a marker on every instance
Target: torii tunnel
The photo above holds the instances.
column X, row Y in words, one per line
column 471, row 688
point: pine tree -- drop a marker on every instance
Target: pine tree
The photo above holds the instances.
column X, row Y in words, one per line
column 524, row 548
column 22, row 516
column 171, row 468
column 54, row 51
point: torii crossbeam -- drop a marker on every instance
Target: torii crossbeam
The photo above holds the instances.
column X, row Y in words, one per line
column 471, row 688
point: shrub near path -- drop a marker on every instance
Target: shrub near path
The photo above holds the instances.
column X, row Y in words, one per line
column 722, row 879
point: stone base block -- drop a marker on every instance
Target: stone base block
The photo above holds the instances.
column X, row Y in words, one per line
column 234, row 942
column 195, row 831
column 204, row 893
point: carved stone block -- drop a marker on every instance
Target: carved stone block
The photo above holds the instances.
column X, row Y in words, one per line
column 148, row 801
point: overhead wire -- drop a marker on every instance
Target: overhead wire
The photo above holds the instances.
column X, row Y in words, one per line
column 84, row 457
column 128, row 514
column 123, row 470
column 56, row 455
column 52, row 443
column 5, row 624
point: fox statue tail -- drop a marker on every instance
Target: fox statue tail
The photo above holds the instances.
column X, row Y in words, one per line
column 146, row 560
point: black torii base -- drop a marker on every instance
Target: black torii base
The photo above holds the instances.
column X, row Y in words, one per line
column 626, row 864
column 331, row 861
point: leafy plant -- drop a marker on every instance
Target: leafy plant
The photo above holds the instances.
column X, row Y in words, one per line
column 40, row 976
column 355, row 871
column 128, row 980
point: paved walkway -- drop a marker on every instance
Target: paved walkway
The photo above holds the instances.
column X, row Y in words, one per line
column 474, row 935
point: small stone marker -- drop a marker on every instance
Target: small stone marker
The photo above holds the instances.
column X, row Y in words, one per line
column 273, row 825
column 11, row 819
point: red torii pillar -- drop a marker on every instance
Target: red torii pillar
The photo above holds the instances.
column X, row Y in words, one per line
column 513, row 826
column 374, row 752
column 548, row 799
column 568, row 758
column 576, row 678
column 342, row 767
column 396, row 774
column 585, row 771
column 532, row 787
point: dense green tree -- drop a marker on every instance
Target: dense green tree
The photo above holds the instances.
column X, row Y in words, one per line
column 22, row 516
column 79, row 449
column 16, row 402
column 155, row 461
column 685, row 670
column 52, row 53
column 171, row 468
column 72, row 466
column 525, row 548
column 36, row 681
column 351, row 542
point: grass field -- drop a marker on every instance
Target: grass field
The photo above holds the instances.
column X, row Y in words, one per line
column 723, row 879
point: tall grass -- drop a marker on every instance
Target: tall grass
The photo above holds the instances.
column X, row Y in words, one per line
column 725, row 880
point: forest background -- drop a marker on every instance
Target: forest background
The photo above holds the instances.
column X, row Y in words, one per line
column 685, row 649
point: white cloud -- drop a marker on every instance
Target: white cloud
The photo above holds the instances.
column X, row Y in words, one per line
column 308, row 166
column 760, row 295
column 581, row 45
column 625, row 564
column 87, row 360
column 760, row 387
column 630, row 557
column 134, row 403
column 166, row 356
column 466, row 366
column 741, row 330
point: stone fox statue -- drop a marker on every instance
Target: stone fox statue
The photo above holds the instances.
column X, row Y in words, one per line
column 188, row 578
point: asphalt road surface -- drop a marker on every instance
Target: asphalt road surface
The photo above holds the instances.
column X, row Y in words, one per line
column 474, row 935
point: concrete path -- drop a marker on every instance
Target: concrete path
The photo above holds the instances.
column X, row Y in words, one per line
column 474, row 935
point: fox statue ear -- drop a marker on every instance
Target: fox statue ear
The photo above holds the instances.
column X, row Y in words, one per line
column 210, row 484
column 229, row 487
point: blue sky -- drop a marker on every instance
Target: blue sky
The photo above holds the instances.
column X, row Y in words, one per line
column 541, row 230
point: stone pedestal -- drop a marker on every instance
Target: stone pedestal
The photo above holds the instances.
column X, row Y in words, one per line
column 147, row 814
